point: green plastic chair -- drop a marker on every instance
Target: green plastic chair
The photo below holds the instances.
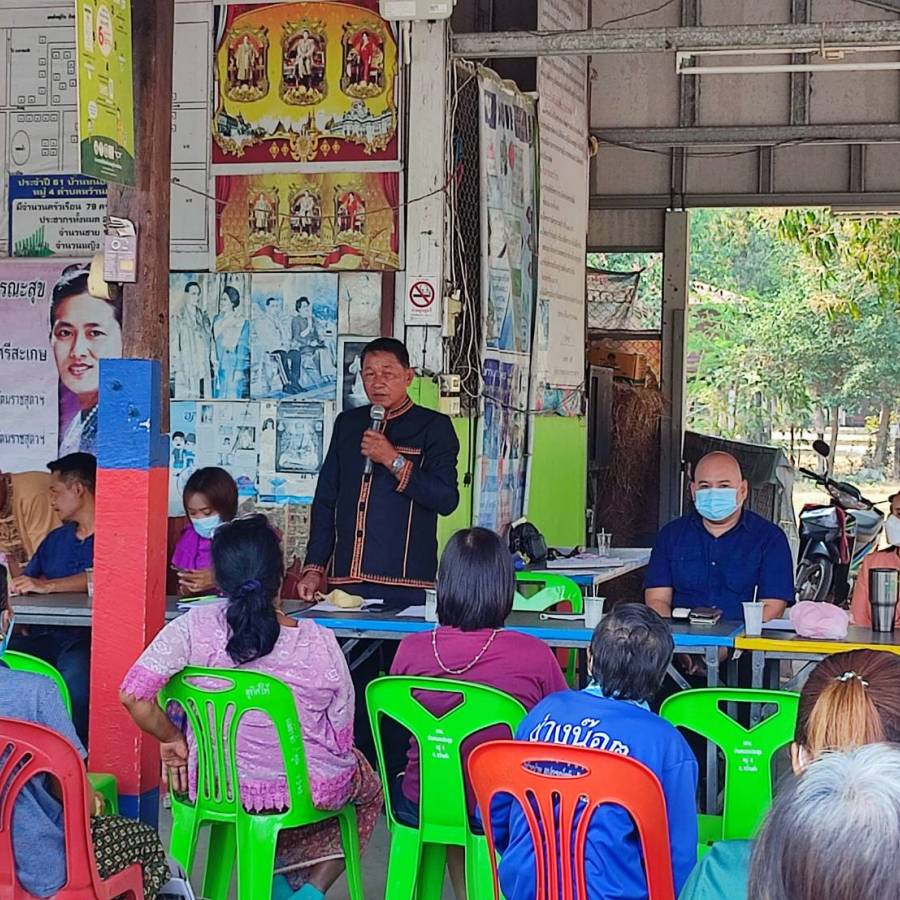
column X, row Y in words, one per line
column 103, row 783
column 748, row 752
column 418, row 856
column 214, row 713
column 552, row 590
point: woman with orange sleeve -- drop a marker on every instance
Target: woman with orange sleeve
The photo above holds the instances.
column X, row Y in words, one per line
column 888, row 558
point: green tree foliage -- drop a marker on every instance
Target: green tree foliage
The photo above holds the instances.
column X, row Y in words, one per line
column 846, row 250
column 775, row 343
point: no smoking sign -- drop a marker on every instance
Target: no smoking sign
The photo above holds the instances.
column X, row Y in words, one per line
column 423, row 306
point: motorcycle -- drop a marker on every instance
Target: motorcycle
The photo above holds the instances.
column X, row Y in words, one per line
column 835, row 538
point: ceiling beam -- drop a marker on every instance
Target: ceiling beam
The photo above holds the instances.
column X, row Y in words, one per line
column 889, row 5
column 668, row 40
column 750, row 136
column 850, row 200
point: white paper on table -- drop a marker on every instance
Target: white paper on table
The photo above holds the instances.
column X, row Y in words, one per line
column 412, row 612
column 779, row 625
column 587, row 562
column 190, row 602
column 325, row 606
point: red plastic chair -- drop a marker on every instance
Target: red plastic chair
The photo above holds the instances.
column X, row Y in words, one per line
column 27, row 750
column 549, row 803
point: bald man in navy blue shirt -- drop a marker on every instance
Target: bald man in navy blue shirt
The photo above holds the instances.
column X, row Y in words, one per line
column 720, row 554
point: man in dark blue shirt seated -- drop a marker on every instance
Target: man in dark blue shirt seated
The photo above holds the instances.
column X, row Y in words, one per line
column 720, row 554
column 60, row 565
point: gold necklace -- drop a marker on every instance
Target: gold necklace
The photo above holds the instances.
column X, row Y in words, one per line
column 466, row 668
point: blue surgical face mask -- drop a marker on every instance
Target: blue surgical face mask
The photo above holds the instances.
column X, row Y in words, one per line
column 716, row 504
column 206, row 527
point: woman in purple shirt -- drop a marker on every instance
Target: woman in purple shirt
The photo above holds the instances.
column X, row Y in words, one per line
column 475, row 588
column 210, row 499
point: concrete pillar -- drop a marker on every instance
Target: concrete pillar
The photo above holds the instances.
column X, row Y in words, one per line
column 129, row 571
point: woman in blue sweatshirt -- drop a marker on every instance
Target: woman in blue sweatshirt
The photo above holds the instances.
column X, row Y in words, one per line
column 630, row 652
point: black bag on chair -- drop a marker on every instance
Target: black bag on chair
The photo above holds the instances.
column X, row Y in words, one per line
column 526, row 541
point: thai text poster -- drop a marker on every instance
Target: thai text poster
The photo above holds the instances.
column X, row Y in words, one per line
column 29, row 423
column 508, row 158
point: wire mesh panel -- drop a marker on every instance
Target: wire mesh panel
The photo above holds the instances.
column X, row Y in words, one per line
column 465, row 231
column 650, row 349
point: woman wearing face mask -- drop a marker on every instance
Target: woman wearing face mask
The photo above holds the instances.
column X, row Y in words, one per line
column 881, row 559
column 210, row 498
column 850, row 700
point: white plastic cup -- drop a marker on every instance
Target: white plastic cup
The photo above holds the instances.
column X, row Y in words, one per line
column 604, row 542
column 90, row 583
column 593, row 611
column 431, row 606
column 753, row 618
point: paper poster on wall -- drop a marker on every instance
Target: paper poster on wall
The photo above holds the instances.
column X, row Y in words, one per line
column 562, row 84
column 183, row 421
column 293, row 443
column 304, row 83
column 55, row 215
column 294, row 335
column 211, row 433
column 508, row 158
column 209, row 336
column 28, row 376
column 333, row 221
column 353, row 392
column 105, row 89
column 360, row 298
column 502, row 443
column 423, row 300
column 76, row 332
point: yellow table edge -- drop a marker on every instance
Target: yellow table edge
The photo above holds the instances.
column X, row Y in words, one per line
column 807, row 645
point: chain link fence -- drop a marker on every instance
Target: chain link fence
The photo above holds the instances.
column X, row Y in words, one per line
column 649, row 348
column 465, row 232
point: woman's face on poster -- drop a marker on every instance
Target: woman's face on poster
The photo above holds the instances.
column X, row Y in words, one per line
column 85, row 331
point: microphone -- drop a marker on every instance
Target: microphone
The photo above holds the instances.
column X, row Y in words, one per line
column 376, row 424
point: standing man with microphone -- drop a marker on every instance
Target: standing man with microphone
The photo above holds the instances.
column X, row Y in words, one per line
column 389, row 473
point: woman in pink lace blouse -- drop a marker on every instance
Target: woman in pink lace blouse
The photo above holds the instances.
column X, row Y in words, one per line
column 249, row 630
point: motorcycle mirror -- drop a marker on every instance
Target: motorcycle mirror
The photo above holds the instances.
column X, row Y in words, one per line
column 821, row 448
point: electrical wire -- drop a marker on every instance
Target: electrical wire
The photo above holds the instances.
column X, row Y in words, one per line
column 465, row 361
column 637, row 15
column 617, row 19
column 712, row 154
column 325, row 217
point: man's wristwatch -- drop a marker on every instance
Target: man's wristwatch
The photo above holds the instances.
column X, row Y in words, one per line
column 398, row 464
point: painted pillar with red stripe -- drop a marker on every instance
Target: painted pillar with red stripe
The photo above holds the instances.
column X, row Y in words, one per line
column 129, row 571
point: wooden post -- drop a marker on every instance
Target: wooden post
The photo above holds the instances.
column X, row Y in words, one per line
column 146, row 303
column 130, row 543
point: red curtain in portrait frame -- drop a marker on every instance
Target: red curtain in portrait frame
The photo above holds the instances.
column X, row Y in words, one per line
column 223, row 192
column 390, row 186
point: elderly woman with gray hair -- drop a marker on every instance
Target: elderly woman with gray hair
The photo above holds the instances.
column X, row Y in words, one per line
column 832, row 835
column 850, row 700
